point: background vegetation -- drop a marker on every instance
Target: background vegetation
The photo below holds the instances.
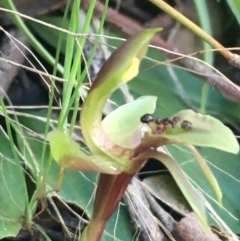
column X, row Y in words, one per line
column 62, row 52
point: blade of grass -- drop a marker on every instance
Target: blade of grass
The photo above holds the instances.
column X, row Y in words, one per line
column 58, row 51
column 68, row 68
column 77, row 96
column 51, row 97
column 99, row 32
column 69, row 99
column 205, row 24
column 235, row 7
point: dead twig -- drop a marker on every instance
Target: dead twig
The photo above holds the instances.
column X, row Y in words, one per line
column 139, row 208
column 10, row 51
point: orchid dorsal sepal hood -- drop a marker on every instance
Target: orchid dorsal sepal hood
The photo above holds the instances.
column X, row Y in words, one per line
column 122, row 66
column 119, row 146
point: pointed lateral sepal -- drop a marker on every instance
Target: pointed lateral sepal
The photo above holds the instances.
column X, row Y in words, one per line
column 186, row 188
column 208, row 173
column 198, row 130
column 67, row 153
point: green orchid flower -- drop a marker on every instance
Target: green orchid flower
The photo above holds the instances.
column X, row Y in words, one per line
column 121, row 143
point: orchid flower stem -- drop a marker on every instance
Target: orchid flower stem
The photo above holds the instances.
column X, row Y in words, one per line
column 112, row 189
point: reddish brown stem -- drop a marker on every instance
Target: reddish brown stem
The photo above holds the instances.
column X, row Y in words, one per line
column 109, row 193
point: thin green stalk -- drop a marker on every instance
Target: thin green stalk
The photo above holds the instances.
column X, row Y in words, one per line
column 82, row 42
column 8, row 4
column 91, row 54
column 76, row 63
column 42, row 231
column 76, row 107
column 205, row 23
column 99, row 32
column 41, row 187
column 70, row 44
column 77, row 95
column 87, row 20
column 68, row 86
column 193, row 27
column 30, row 210
column 74, row 117
column 51, row 97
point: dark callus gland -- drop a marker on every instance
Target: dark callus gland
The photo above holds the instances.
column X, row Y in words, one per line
column 166, row 121
column 186, row 125
column 175, row 120
column 147, row 118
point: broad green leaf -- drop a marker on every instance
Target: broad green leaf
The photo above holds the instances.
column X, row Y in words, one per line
column 235, row 7
column 187, row 189
column 123, row 125
column 67, row 153
column 13, row 191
